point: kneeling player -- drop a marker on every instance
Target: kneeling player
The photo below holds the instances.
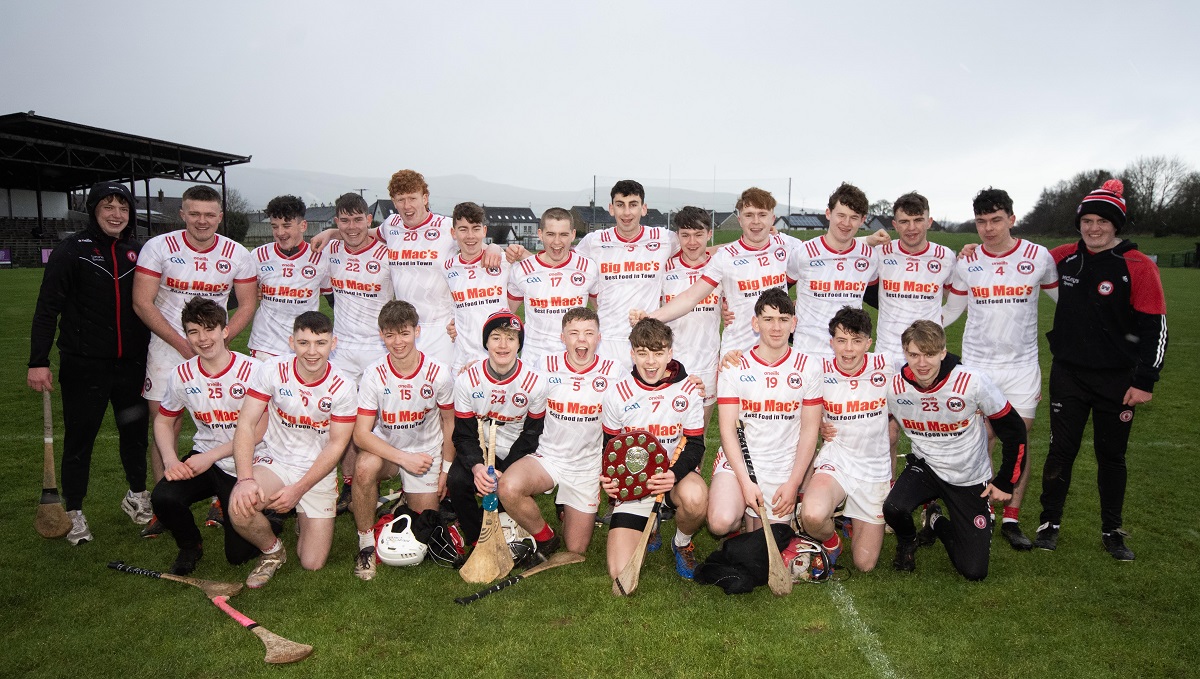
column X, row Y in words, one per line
column 211, row 386
column 569, row 453
column 938, row 402
column 774, row 391
column 657, row 397
column 310, row 408
column 403, row 389
column 503, row 389
column 856, row 466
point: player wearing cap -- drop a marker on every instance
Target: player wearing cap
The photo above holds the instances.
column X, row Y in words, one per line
column 1108, row 340
column 292, row 276
column 500, row 388
column 310, row 408
column 775, row 392
column 998, row 286
column 478, row 291
column 657, row 397
column 404, row 426
column 569, row 452
column 942, row 405
column 549, row 284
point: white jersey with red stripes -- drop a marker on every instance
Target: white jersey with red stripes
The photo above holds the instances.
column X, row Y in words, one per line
column 185, row 272
column 698, row 333
column 573, row 435
column 548, row 291
column 288, row 287
column 911, row 287
column 299, row 413
column 361, row 286
column 943, row 423
column 510, row 401
column 214, row 401
column 770, row 397
column 667, row 410
column 826, row 281
column 418, row 254
column 477, row 292
column 743, row 274
column 407, row 408
column 856, row 404
column 1002, row 303
column 631, row 273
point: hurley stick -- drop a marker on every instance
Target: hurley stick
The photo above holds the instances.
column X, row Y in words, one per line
column 279, row 650
column 778, row 578
column 211, row 588
column 492, row 558
column 555, row 560
column 51, row 520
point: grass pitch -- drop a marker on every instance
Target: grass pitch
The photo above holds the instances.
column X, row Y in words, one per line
column 1072, row 613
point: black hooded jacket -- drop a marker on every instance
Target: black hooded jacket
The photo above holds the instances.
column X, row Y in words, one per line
column 87, row 292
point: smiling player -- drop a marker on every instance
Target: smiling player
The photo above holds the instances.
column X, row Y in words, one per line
column 477, row 290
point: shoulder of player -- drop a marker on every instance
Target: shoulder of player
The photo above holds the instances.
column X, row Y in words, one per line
column 228, row 247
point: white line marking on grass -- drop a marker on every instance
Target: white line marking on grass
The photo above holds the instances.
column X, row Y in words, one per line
column 866, row 640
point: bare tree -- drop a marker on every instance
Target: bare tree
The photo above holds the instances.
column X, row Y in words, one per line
column 881, row 207
column 237, row 215
column 1152, row 184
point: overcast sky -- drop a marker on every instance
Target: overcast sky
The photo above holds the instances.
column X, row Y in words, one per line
column 943, row 97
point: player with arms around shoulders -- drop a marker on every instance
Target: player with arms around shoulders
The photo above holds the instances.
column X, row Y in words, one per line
column 774, row 391
column 998, row 286
column 310, row 409
column 569, row 451
column 942, row 404
column 177, row 266
column 500, row 388
column 477, row 290
column 212, row 387
column 404, row 426
column 657, row 397
column 550, row 284
column 856, row 466
column 292, row 276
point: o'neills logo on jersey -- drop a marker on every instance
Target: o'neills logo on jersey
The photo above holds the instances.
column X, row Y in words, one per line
column 837, row 286
column 984, row 292
column 770, row 406
column 911, row 286
column 935, row 427
column 555, row 302
column 868, row 406
column 763, row 283
column 572, row 408
column 285, row 291
column 217, row 416
column 628, row 267
column 196, row 286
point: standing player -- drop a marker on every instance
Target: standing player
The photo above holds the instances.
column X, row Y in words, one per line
column 656, row 396
column 291, row 278
column 632, row 260
column 549, row 284
column 941, row 405
column 412, row 398
column 362, row 284
column 477, row 290
column 775, row 392
column 856, row 466
column 175, row 267
column 211, row 386
column 500, row 388
column 310, row 409
column 833, row 270
column 569, row 454
column 1108, row 341
column 999, row 284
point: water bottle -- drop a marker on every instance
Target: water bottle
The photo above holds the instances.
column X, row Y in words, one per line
column 490, row 501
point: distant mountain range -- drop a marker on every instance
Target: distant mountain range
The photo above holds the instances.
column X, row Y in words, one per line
column 259, row 185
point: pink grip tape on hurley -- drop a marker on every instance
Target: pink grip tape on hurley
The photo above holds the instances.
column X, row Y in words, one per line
column 233, row 612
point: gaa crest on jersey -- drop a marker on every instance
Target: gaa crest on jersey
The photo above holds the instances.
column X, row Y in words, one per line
column 223, row 266
column 1105, row 288
column 794, row 381
column 238, row 390
column 309, row 271
column 1025, row 267
column 934, row 266
column 599, row 384
column 577, row 278
column 653, row 246
column 372, row 267
column 431, row 234
column 680, row 403
column 956, row 404
column 325, row 404
column 861, row 264
column 520, row 400
column 878, row 380
column 426, row 391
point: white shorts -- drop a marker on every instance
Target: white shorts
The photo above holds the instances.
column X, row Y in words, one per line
column 710, row 386
column 577, row 490
column 262, row 355
column 864, row 499
column 421, row 483
column 320, row 502
column 769, row 481
column 1021, row 385
column 435, row 343
column 617, row 351
column 353, row 360
column 532, row 355
column 161, row 359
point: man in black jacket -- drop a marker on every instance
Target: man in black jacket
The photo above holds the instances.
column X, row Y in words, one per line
column 1108, row 341
column 87, row 292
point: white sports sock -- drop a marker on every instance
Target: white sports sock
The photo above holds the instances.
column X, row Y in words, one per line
column 366, row 539
column 275, row 547
column 682, row 539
